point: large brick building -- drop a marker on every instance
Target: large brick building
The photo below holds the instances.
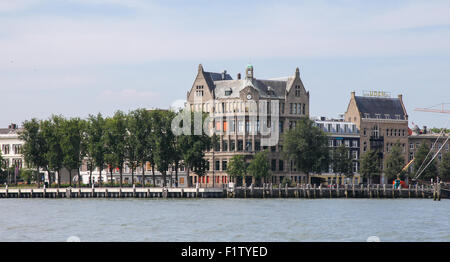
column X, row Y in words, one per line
column 242, row 108
column 382, row 122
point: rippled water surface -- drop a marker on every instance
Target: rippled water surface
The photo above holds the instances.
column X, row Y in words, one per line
column 224, row 219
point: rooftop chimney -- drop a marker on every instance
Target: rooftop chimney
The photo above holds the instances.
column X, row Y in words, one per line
column 424, row 129
column 239, row 76
column 224, row 73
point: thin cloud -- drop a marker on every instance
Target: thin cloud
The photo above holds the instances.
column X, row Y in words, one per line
column 129, row 94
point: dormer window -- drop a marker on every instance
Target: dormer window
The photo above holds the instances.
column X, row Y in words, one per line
column 297, row 90
column 366, row 115
column 387, row 116
column 377, row 116
column 398, row 117
column 228, row 92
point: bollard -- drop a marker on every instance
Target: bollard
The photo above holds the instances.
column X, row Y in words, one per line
column 409, row 191
column 106, row 192
column 251, row 190
column 18, row 193
column 182, row 193
column 245, row 191
column 346, row 191
column 362, row 191
column 320, row 191
column 279, row 190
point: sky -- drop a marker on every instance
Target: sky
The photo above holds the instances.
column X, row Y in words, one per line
column 81, row 57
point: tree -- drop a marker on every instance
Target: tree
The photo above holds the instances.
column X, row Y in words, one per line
column 35, row 147
column 259, row 167
column 193, row 147
column 444, row 167
column 163, row 141
column 141, row 125
column 237, row 167
column 96, row 144
column 132, row 143
column 307, row 146
column 342, row 161
column 370, row 164
column 116, row 135
column 395, row 162
column 51, row 132
column 71, row 144
column 26, row 175
column 431, row 170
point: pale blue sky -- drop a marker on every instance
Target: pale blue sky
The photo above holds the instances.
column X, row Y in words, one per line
column 75, row 57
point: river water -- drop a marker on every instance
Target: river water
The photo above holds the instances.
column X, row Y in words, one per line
column 224, row 219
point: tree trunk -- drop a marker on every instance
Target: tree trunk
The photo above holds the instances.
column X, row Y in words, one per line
column 37, row 178
column 176, row 174
column 153, row 175
column 100, row 176
column 59, row 178
column 120, row 176
column 79, row 178
column 164, row 178
column 189, row 180
column 70, row 177
column 132, row 175
column 90, row 176
column 143, row 174
column 111, row 175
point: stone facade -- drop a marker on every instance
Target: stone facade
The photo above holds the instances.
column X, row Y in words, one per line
column 241, row 108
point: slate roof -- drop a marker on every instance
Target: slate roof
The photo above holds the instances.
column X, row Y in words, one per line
column 382, row 106
column 266, row 88
column 9, row 131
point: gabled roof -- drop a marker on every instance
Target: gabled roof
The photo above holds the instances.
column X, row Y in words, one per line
column 382, row 106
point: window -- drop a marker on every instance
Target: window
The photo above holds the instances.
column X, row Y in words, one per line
column 240, row 146
column 248, row 145
column 304, row 111
column 225, row 145
column 411, row 146
column 330, row 143
column 232, row 145
column 355, row 143
column 329, row 128
column 338, row 128
column 199, row 90
column 355, row 154
column 281, row 123
column 387, row 116
column 228, row 92
column 281, row 165
column 273, row 165
column 355, row 169
column 282, row 107
column 347, row 143
column 217, row 165
column 297, row 90
column 291, row 108
column 224, row 165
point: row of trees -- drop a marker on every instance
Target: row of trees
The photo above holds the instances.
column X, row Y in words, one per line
column 131, row 139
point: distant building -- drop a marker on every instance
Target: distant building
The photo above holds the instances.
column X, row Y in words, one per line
column 11, row 146
column 432, row 140
column 340, row 132
column 382, row 122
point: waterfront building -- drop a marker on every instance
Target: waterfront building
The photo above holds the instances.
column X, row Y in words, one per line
column 232, row 103
column 433, row 140
column 339, row 133
column 382, row 122
column 11, row 146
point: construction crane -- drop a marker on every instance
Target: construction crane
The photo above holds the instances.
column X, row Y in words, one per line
column 430, row 109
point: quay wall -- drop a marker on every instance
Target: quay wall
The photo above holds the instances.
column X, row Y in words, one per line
column 267, row 191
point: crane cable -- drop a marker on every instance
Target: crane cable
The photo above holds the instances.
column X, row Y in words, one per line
column 431, row 149
column 433, row 157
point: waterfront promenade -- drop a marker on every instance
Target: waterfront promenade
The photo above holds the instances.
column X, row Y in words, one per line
column 435, row 192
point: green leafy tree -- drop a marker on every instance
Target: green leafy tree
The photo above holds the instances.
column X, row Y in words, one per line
column 72, row 147
column 444, row 167
column 35, row 147
column 395, row 161
column 370, row 164
column 51, row 132
column 141, row 124
column 431, row 170
column 132, row 143
column 116, row 140
column 96, row 143
column 342, row 162
column 163, row 141
column 307, row 146
column 26, row 175
column 237, row 167
column 193, row 147
column 259, row 167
